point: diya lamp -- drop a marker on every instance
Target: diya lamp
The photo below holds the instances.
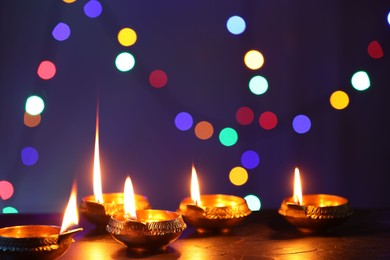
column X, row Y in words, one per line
column 144, row 230
column 314, row 212
column 212, row 212
column 98, row 208
column 40, row 241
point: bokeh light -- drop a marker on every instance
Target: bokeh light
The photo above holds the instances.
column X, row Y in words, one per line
column 9, row 210
column 158, row 78
column 258, row 85
column 388, row 18
column 34, row 105
column 254, row 203
column 183, row 121
column 301, row 124
column 46, row 70
column 339, row 100
column 236, row 25
column 250, row 159
column 124, row 61
column 29, row 156
column 204, row 130
column 238, row 176
column 245, row 115
column 6, row 190
column 127, row 37
column 228, row 136
column 69, row 1
column 253, row 59
column 61, row 32
column 375, row 50
column 268, row 120
column 360, row 81
column 93, row 9
column 30, row 120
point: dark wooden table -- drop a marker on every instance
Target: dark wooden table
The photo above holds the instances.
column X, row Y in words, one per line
column 263, row 235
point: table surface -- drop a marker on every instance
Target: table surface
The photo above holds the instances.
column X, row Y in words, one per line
column 263, row 235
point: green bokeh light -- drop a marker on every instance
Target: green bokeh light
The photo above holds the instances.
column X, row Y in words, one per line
column 9, row 210
column 228, row 136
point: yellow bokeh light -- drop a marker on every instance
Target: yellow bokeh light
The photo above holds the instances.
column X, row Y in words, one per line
column 238, row 176
column 69, row 1
column 127, row 37
column 339, row 100
column 254, row 59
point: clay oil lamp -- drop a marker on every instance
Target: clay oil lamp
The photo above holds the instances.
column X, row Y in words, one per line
column 41, row 241
column 212, row 212
column 314, row 212
column 144, row 229
column 98, row 208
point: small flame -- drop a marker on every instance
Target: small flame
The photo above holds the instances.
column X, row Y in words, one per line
column 195, row 193
column 129, row 200
column 297, row 187
column 97, row 179
column 71, row 216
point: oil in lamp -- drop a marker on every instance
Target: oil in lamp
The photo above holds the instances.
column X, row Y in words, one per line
column 144, row 230
column 212, row 212
column 314, row 212
column 40, row 241
column 99, row 207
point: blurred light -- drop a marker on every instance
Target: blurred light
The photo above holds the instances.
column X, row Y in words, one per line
column 253, row 202
column 127, row 37
column 34, row 105
column 238, row 176
column 235, row 25
column 250, row 159
column 388, row 18
column 268, row 120
column 254, row 59
column 61, row 32
column 158, row 78
column 339, row 100
column 30, row 120
column 183, row 121
column 301, row 124
column 9, row 210
column 6, row 190
column 69, row 1
column 360, row 81
column 92, row 8
column 46, row 70
column 124, row 61
column 29, row 156
column 258, row 85
column 245, row 115
column 375, row 50
column 228, row 136
column 204, row 130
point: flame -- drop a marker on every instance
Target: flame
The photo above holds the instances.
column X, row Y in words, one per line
column 97, row 179
column 195, row 193
column 71, row 216
column 129, row 200
column 297, row 187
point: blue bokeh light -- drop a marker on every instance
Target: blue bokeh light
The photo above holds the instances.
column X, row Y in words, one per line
column 236, row 25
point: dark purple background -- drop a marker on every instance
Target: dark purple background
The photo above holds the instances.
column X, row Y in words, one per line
column 311, row 49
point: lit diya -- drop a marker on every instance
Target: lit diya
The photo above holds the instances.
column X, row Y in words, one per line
column 40, row 241
column 148, row 229
column 99, row 207
column 314, row 212
column 212, row 212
